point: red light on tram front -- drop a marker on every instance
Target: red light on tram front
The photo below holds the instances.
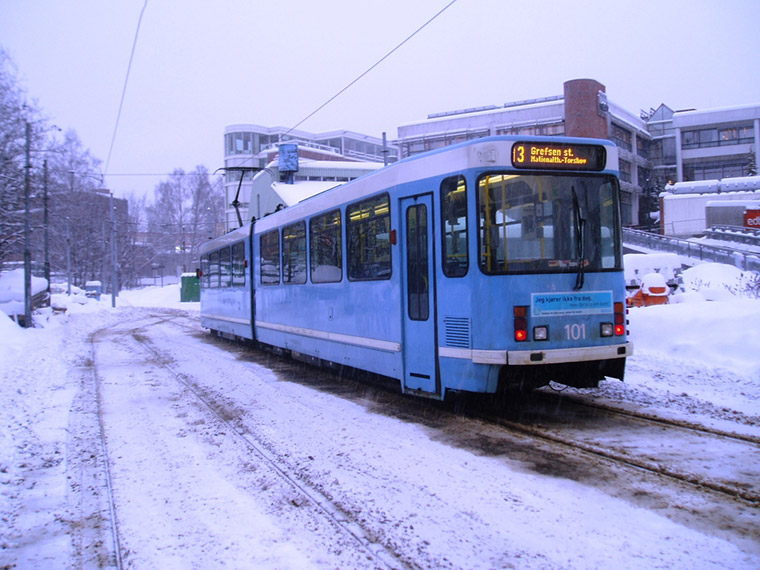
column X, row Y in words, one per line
column 619, row 309
column 520, row 313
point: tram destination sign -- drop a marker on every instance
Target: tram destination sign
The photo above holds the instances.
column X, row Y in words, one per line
column 558, row 156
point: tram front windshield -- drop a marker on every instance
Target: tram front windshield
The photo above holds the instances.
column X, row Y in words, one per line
column 548, row 223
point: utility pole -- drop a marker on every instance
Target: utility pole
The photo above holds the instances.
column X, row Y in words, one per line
column 114, row 274
column 45, row 223
column 27, row 250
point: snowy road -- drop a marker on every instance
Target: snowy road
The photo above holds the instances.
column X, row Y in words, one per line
column 189, row 493
column 216, row 459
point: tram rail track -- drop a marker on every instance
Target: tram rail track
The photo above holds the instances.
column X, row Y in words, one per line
column 640, row 479
column 340, row 518
column 96, row 535
column 665, row 421
column 562, row 434
column 740, row 490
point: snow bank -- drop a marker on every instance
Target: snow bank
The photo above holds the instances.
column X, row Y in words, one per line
column 723, row 333
column 12, row 291
column 639, row 264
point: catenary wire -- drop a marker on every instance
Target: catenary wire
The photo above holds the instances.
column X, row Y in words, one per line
column 373, row 66
column 124, row 89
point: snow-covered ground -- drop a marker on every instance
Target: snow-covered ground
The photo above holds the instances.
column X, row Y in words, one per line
column 186, row 496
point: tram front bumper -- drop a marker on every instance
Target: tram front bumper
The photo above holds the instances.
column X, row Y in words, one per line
column 537, row 357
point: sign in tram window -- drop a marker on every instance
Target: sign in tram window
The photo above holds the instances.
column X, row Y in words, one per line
column 454, row 224
column 369, row 239
column 270, row 258
column 326, row 248
column 294, row 253
column 558, row 156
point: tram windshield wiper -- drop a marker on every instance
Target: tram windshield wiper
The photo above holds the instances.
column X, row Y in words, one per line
column 580, row 242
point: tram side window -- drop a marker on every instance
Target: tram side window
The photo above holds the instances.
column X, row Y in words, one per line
column 294, row 253
column 238, row 264
column 326, row 248
column 270, row 258
column 204, row 271
column 225, row 267
column 213, row 269
column 369, row 239
column 454, row 223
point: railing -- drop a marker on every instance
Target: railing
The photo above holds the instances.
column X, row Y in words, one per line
column 747, row 261
column 749, row 236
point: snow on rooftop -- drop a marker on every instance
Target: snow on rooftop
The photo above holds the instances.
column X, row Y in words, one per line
column 292, row 194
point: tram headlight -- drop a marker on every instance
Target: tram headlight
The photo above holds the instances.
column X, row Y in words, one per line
column 540, row 333
column 607, row 329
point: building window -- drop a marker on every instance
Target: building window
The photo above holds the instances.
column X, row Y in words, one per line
column 626, row 208
column 369, row 239
column 326, row 248
column 746, row 134
column 270, row 258
column 238, row 143
column 622, row 137
column 715, row 170
column 294, row 253
column 454, row 224
column 642, row 147
column 625, row 171
column 728, row 136
column 705, row 138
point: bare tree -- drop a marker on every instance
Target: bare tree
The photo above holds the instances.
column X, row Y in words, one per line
column 16, row 111
column 187, row 208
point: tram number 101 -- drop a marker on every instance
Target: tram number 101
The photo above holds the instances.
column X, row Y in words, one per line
column 575, row 332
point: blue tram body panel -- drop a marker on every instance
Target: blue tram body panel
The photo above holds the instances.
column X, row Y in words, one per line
column 226, row 306
column 490, row 263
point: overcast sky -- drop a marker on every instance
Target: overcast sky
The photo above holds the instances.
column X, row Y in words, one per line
column 202, row 65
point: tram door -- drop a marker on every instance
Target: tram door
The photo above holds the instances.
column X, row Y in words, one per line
column 420, row 344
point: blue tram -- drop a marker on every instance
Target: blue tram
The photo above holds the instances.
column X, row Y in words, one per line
column 486, row 265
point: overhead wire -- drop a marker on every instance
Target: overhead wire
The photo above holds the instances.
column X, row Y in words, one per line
column 124, row 89
column 310, row 115
column 373, row 66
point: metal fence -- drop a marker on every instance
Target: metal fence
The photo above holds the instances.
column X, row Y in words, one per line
column 744, row 260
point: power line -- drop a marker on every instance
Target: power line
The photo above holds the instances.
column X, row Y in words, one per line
column 209, row 174
column 124, row 89
column 378, row 62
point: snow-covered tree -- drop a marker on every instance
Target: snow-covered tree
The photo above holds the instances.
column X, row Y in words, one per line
column 16, row 111
column 186, row 210
column 751, row 164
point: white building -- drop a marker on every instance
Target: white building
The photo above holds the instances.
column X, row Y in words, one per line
column 249, row 151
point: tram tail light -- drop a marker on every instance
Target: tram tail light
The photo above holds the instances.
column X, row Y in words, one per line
column 619, row 309
column 520, row 313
